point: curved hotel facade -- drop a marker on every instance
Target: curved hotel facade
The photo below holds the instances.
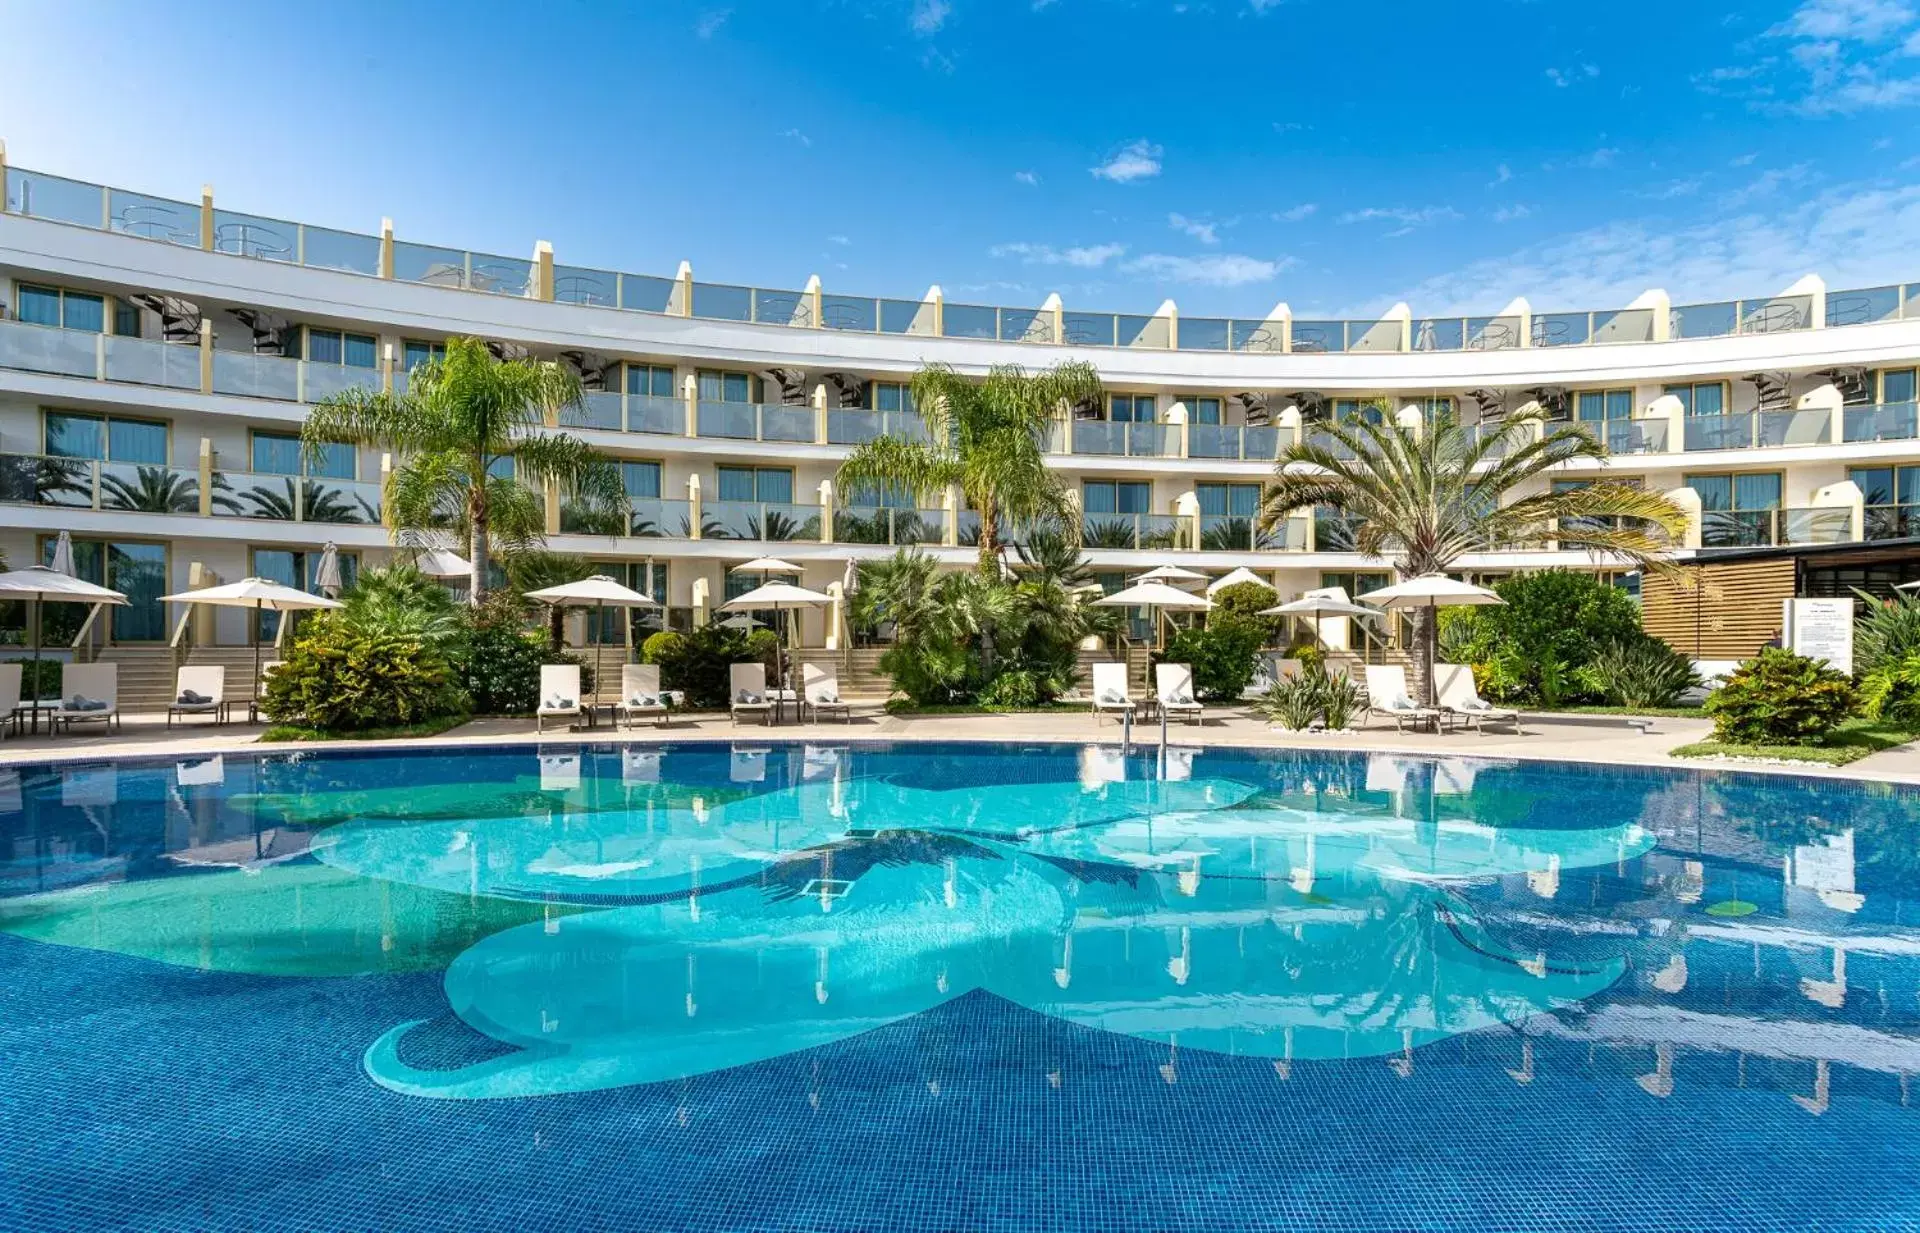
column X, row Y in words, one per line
column 157, row 358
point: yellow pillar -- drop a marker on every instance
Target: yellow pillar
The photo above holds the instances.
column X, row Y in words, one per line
column 386, row 248
column 542, row 271
column 693, row 506
column 206, row 217
column 826, row 511
column 820, row 415
column 386, row 370
column 691, row 391
column 3, row 177
column 552, row 495
column 950, row 512
column 683, row 291
column 206, row 477
column 206, row 356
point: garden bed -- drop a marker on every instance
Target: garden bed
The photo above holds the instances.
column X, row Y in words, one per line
column 1852, row 740
column 431, row 727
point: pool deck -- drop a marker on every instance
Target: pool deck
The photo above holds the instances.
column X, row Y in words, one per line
column 1585, row 739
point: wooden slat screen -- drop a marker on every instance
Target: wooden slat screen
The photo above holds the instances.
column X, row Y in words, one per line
column 1726, row 611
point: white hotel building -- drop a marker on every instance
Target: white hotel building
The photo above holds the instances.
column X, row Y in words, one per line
column 157, row 358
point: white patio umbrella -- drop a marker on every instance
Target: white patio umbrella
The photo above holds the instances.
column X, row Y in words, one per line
column 766, row 565
column 1239, row 575
column 1317, row 606
column 597, row 592
column 1171, row 574
column 440, row 563
column 1431, row 591
column 40, row 584
column 781, row 597
column 259, row 594
column 1156, row 595
column 326, row 575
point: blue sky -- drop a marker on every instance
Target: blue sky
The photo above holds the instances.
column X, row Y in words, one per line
column 1229, row 154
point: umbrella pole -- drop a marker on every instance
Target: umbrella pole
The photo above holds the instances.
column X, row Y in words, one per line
column 39, row 614
column 259, row 607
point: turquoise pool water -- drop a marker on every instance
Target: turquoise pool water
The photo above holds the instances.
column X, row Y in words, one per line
column 947, row 946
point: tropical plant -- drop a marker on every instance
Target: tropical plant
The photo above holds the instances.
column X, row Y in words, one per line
column 697, row 663
column 987, row 438
column 1887, row 630
column 1779, row 698
column 1640, row 672
column 501, row 668
column 459, row 416
column 1549, row 628
column 1100, row 532
column 1891, row 690
column 1223, row 656
column 1424, row 496
column 341, row 676
column 1339, row 699
column 1013, row 690
column 1293, row 703
column 400, row 597
column 539, row 569
column 1244, row 602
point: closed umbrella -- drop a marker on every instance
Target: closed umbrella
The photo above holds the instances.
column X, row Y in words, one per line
column 781, row 597
column 41, row 584
column 1433, row 592
column 598, row 592
column 326, row 575
column 261, row 595
column 62, row 562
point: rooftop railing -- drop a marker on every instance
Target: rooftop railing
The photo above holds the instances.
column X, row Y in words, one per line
column 77, row 203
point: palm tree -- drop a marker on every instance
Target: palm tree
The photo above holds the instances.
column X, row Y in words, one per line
column 461, row 414
column 1426, row 496
column 989, row 439
column 161, row 490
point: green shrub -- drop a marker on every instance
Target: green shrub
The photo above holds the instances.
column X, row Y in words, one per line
column 501, row 669
column 1339, row 699
column 1016, row 690
column 1888, row 632
column 764, row 645
column 1293, row 703
column 1223, row 656
column 1551, row 626
column 931, row 672
column 1242, row 603
column 698, row 663
column 38, row 679
column 1643, row 672
column 1779, row 698
column 1891, row 690
column 343, row 677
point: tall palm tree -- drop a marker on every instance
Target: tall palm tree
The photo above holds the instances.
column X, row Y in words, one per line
column 989, row 439
column 460, row 415
column 1425, row 496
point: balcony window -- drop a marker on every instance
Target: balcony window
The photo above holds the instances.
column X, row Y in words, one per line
column 769, row 485
column 414, row 352
column 726, row 386
column 294, row 569
column 278, row 453
column 1701, row 398
column 650, row 380
column 75, row 310
column 1354, row 584
column 1737, row 510
column 1116, row 497
column 1896, row 385
column 335, row 347
column 642, row 480
column 1347, row 409
column 501, row 466
column 1130, row 408
column 1228, row 500
column 107, row 438
column 1891, row 495
column 1600, row 405
column 871, row 496
column 1202, row 409
column 893, row 396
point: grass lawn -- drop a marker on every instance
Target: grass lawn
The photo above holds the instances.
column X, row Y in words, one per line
column 1660, row 712
column 1852, row 740
column 432, row 727
column 901, row 706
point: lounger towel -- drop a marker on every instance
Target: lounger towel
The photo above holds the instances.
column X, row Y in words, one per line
column 828, row 697
column 80, row 702
column 749, row 698
column 1180, row 699
column 189, row 697
column 643, row 700
column 1112, row 695
column 557, row 703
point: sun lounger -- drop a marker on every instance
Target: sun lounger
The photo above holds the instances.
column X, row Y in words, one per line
column 1453, row 686
column 1387, row 694
column 1174, row 685
column 820, row 689
column 640, row 694
column 200, row 689
column 747, row 692
column 1110, row 690
column 89, row 692
column 559, row 694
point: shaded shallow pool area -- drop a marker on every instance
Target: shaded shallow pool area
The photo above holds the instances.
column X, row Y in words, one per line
column 865, row 986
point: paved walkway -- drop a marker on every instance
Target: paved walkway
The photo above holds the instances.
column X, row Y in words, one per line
column 1584, row 740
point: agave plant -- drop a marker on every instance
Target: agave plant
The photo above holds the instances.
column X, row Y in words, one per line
column 1642, row 672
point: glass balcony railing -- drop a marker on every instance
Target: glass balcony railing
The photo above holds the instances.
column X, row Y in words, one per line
column 76, row 203
column 294, row 498
column 1133, row 531
column 322, row 381
column 146, row 488
column 139, row 362
column 247, row 375
column 1807, row 525
column 652, row 413
column 787, row 423
column 1750, row 429
column 1247, row 442
column 1125, row 440
column 35, row 479
column 1720, row 432
column 1811, row 427
column 44, row 349
column 1727, row 528
column 738, row 421
column 1891, row 521
column 1626, row 436
column 1888, row 422
column 600, row 409
column 1334, row 531
column 659, row 518
column 773, row 522
column 881, row 525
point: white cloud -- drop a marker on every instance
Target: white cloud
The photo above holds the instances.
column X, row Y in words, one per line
column 1408, row 220
column 1137, row 160
column 1302, row 211
column 928, row 16
column 1852, row 235
column 1260, row 7
column 1557, row 77
column 1603, row 157
column 794, row 134
column 1501, row 175
column 1742, row 160
column 1839, row 60
column 838, row 239
column 1042, row 4
column 1026, row 177
column 1211, row 269
column 1083, row 257
column 1768, row 183
column 1203, row 230
column 710, row 23
column 1686, row 186
column 1508, row 214
column 1846, row 19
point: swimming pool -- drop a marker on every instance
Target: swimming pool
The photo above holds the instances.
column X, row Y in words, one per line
column 870, row 986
